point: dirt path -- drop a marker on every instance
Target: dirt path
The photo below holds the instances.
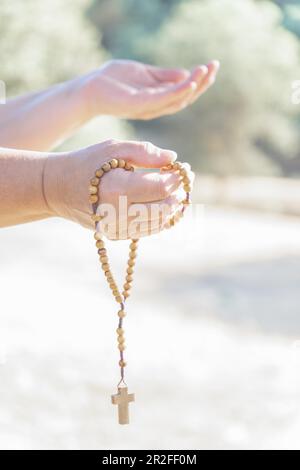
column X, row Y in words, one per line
column 213, row 331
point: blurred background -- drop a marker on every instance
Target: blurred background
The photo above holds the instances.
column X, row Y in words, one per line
column 213, row 323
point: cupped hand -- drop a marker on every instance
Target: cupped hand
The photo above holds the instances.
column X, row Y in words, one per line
column 66, row 187
column 134, row 90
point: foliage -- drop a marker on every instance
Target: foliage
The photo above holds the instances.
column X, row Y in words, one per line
column 48, row 42
column 245, row 123
column 123, row 23
column 45, row 42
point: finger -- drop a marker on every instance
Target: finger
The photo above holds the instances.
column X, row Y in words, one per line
column 150, row 187
column 143, row 154
column 173, row 108
column 166, row 209
column 153, row 98
column 134, row 234
column 209, row 80
column 152, row 210
column 170, row 100
column 201, row 76
column 147, row 219
column 163, row 74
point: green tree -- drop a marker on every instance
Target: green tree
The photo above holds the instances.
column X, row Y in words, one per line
column 245, row 123
column 45, row 42
column 123, row 23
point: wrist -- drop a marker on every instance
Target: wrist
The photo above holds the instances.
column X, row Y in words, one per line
column 66, row 179
column 89, row 90
column 53, row 182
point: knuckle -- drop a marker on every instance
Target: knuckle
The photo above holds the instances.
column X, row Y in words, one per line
column 148, row 147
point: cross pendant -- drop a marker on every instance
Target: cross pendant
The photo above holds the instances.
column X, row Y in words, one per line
column 122, row 399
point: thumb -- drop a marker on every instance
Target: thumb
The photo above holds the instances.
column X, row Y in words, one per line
column 144, row 154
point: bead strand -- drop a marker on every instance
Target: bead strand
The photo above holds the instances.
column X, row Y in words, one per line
column 94, row 188
column 183, row 173
column 103, row 257
column 130, row 265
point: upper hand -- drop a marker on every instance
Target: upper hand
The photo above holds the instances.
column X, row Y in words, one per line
column 133, row 90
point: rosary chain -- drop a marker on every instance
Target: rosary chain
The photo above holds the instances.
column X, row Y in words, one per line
column 102, row 252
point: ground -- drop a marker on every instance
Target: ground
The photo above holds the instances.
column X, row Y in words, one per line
column 213, row 336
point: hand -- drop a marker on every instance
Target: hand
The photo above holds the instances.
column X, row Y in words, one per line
column 133, row 90
column 67, row 176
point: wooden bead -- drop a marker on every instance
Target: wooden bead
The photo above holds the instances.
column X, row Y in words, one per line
column 106, row 167
column 129, row 270
column 95, row 181
column 119, row 299
column 102, row 251
column 114, row 163
column 93, row 198
column 130, row 262
column 105, row 267
column 120, row 331
column 121, row 339
column 116, row 292
column 186, row 180
column 121, row 163
column 129, row 278
column 122, row 363
column 128, row 167
column 133, row 245
column 96, row 217
column 121, row 313
column 100, row 244
column 93, row 190
column 126, row 294
column 132, row 255
column 176, row 166
column 98, row 235
column 103, row 259
column 187, row 188
column 177, row 216
column 186, row 202
column 121, row 347
column 127, row 286
column 99, row 173
column 183, row 172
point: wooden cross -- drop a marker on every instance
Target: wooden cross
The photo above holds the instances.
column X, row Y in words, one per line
column 122, row 399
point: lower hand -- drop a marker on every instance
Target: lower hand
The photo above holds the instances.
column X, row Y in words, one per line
column 67, row 176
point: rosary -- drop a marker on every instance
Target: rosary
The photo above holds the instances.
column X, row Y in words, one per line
column 122, row 398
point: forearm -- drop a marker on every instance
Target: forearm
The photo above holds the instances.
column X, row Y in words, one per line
column 40, row 120
column 21, row 187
